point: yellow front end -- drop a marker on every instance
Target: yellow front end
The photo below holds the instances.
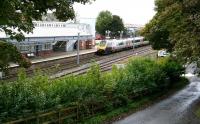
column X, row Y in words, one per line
column 101, row 50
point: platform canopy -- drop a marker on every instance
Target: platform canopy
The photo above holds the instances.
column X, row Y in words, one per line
column 55, row 31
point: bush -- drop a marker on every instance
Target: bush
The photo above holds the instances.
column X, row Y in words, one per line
column 105, row 91
column 9, row 53
column 172, row 68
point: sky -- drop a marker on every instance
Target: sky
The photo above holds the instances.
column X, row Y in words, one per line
column 131, row 11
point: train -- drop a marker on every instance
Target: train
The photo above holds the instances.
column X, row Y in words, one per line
column 114, row 45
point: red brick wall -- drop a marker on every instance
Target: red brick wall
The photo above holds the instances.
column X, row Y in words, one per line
column 86, row 44
column 45, row 53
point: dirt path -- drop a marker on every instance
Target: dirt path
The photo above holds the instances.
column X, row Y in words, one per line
column 177, row 109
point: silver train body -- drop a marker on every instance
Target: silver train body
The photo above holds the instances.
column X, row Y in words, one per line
column 114, row 45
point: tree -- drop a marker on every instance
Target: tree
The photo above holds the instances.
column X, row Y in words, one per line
column 116, row 26
column 19, row 14
column 106, row 21
column 157, row 35
column 16, row 17
column 176, row 26
column 9, row 53
column 103, row 22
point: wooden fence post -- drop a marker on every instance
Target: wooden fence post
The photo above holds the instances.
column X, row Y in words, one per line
column 59, row 116
column 38, row 119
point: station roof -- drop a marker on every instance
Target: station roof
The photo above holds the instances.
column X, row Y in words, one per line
column 49, row 31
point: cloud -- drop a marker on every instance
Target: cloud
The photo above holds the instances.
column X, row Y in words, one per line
column 132, row 11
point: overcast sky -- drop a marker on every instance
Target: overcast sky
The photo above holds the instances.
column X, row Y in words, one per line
column 132, row 11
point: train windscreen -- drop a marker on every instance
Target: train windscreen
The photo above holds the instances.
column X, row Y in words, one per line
column 102, row 43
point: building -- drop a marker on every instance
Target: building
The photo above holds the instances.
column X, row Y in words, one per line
column 133, row 28
column 48, row 37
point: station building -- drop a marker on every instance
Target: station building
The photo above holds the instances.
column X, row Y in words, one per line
column 48, row 37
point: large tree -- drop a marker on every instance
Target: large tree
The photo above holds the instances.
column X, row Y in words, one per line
column 108, row 22
column 103, row 22
column 176, row 26
column 116, row 26
column 19, row 14
column 16, row 18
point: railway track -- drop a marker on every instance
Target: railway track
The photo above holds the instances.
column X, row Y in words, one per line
column 71, row 67
column 105, row 65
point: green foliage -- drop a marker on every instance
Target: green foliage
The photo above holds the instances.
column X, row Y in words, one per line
column 134, row 105
column 172, row 68
column 197, row 112
column 116, row 26
column 176, row 27
column 142, row 75
column 16, row 17
column 106, row 21
column 157, row 35
column 105, row 91
column 103, row 22
column 19, row 14
column 9, row 53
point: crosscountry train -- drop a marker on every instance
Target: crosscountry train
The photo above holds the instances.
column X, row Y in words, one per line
column 114, row 45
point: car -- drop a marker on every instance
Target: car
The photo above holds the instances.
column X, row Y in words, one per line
column 163, row 53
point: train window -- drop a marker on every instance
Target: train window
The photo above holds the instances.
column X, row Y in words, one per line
column 121, row 43
column 136, row 41
column 102, row 43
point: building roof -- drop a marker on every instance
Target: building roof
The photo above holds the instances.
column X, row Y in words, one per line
column 55, row 29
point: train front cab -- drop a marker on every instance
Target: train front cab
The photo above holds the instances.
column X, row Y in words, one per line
column 103, row 48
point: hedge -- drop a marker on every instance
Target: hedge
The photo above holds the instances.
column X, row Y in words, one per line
column 141, row 76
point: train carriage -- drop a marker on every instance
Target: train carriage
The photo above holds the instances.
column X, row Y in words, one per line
column 114, row 45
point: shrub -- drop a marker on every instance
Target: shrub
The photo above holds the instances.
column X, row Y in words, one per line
column 106, row 91
column 9, row 53
column 172, row 68
column 142, row 74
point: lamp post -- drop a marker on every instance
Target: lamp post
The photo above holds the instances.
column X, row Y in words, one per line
column 108, row 33
column 121, row 34
column 78, row 49
column 134, row 40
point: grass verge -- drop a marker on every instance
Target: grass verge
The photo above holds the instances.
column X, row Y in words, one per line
column 136, row 105
column 198, row 113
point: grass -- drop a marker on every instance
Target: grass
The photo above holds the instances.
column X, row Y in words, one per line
column 134, row 106
column 198, row 112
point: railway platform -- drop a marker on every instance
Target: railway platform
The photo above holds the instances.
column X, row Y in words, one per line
column 57, row 56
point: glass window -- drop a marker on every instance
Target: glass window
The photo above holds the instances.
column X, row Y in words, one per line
column 47, row 46
column 24, row 48
column 137, row 41
column 102, row 43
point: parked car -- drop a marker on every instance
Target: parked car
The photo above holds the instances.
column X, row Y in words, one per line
column 163, row 53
